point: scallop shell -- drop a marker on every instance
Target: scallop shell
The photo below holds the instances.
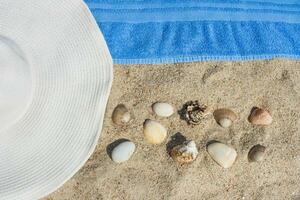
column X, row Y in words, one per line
column 224, row 117
column 256, row 153
column 121, row 115
column 260, row 116
column 154, row 132
column 184, row 153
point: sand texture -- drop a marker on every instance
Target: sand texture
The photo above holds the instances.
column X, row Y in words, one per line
column 152, row 174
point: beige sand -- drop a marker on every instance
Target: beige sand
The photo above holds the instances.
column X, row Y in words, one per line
column 152, row 174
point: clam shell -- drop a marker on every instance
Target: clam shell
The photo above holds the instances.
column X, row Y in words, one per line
column 256, row 153
column 123, row 151
column 224, row 117
column 121, row 115
column 259, row 116
column 221, row 153
column 184, row 153
column 163, row 109
column 154, row 132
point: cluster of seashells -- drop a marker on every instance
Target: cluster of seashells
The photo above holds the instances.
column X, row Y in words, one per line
column 193, row 113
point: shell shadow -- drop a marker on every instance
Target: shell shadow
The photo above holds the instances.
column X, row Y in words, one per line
column 183, row 110
column 251, row 111
column 176, row 139
column 211, row 142
column 112, row 145
column 181, row 113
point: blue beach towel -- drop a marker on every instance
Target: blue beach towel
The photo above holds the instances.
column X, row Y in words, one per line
column 164, row 31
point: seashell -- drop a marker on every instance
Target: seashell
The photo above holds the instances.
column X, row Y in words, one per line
column 163, row 109
column 224, row 117
column 222, row 154
column 154, row 132
column 260, row 116
column 121, row 115
column 184, row 153
column 256, row 153
column 194, row 112
column 123, row 151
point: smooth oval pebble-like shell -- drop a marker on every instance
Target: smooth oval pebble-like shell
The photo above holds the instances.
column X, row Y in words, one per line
column 260, row 116
column 256, row 153
column 163, row 109
column 123, row 151
column 121, row 115
column 185, row 153
column 222, row 154
column 154, row 132
column 224, row 117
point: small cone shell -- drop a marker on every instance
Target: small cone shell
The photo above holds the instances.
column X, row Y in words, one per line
column 224, row 155
column 154, row 132
column 121, row 115
column 224, row 117
column 260, row 116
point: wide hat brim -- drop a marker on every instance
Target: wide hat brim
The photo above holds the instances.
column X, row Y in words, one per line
column 72, row 75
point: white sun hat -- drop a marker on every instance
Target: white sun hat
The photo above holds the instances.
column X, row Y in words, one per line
column 55, row 78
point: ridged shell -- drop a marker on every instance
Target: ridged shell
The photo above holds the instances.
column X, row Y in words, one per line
column 260, row 116
column 121, row 115
column 224, row 117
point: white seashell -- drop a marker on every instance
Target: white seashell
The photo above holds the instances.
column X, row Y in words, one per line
column 224, row 117
column 184, row 153
column 260, row 116
column 256, row 153
column 154, row 132
column 123, row 151
column 222, row 154
column 225, row 123
column 163, row 109
column 121, row 115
